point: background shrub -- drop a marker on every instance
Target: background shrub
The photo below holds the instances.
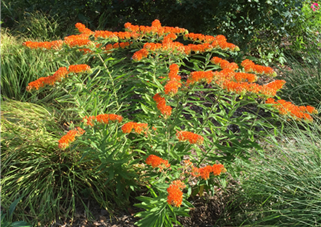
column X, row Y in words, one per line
column 241, row 21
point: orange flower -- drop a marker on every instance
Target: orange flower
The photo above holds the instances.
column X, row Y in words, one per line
column 199, row 76
column 77, row 40
column 127, row 128
column 78, row 68
column 191, row 137
column 174, row 68
column 64, row 142
column 156, row 161
column 111, row 36
column 82, row 29
column 105, row 118
column 123, row 35
column 161, row 105
column 89, row 120
column 36, row 84
column 61, row 73
column 156, row 23
column 288, row 108
column 56, row 45
column 139, row 55
column 195, row 172
column 158, row 98
column 171, row 87
column 243, row 77
column 311, row 110
column 138, row 127
column 250, row 66
column 124, row 44
column 217, row 169
column 173, row 76
column 204, row 172
column 175, row 195
column 49, row 80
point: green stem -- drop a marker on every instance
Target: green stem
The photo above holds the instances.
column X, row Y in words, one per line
column 111, row 78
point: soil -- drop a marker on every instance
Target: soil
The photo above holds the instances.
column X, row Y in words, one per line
column 207, row 211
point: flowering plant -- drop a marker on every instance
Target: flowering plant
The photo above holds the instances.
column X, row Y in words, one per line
column 158, row 113
column 315, row 6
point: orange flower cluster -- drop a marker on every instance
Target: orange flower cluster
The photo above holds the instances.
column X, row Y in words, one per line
column 106, row 35
column 197, row 48
column 138, row 127
column 191, row 137
column 56, row 45
column 78, row 68
column 288, row 108
column 138, row 55
column 236, row 82
column 49, row 80
column 152, row 46
column 122, row 45
column 244, row 87
column 250, row 66
column 199, row 76
column 77, row 40
column 175, row 194
column 64, row 141
column 224, row 64
column 82, row 29
column 200, row 37
column 124, row 35
column 102, row 118
column 156, row 161
column 61, row 73
column 218, row 41
column 89, row 120
column 204, row 172
column 168, row 46
column 156, row 28
column 161, row 105
column 105, row 118
column 174, row 83
column 245, row 77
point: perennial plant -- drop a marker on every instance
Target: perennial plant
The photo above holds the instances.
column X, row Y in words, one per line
column 181, row 76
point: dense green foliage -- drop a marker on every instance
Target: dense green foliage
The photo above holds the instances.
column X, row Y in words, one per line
column 240, row 21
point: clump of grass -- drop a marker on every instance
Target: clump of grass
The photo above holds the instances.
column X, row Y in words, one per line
column 21, row 65
column 51, row 182
column 282, row 186
column 38, row 24
column 303, row 81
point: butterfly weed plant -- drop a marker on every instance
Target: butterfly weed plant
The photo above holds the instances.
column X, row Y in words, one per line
column 163, row 111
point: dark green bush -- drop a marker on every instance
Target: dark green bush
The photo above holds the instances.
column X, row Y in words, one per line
column 240, row 21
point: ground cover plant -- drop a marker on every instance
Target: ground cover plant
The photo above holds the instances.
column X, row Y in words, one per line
column 158, row 110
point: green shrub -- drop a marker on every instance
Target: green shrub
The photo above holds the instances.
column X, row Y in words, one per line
column 240, row 21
